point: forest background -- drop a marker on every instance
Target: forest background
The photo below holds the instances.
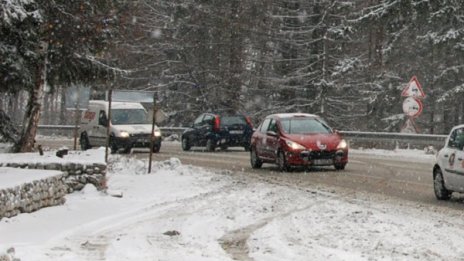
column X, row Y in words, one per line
column 347, row 61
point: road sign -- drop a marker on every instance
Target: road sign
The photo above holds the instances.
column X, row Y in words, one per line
column 413, row 89
column 412, row 107
column 77, row 97
column 409, row 126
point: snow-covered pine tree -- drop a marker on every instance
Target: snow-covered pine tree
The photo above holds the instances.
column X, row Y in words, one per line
column 63, row 42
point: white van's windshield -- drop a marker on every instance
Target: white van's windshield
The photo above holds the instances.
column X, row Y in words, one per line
column 129, row 116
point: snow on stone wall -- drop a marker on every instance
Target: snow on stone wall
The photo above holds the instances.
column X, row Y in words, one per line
column 32, row 195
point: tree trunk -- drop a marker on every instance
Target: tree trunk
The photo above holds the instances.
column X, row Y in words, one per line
column 235, row 64
column 32, row 114
column 63, row 107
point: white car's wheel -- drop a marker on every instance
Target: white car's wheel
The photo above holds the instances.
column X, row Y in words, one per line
column 441, row 192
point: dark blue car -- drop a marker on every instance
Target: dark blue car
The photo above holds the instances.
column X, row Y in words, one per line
column 212, row 130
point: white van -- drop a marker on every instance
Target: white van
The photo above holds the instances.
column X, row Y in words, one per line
column 130, row 126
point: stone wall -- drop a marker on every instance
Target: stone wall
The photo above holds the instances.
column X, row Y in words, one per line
column 46, row 192
column 31, row 196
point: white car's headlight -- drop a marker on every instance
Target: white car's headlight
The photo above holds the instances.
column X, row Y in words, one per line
column 124, row 134
column 157, row 133
column 342, row 145
column 294, row 145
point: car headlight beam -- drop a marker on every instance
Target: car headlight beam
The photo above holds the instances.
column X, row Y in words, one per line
column 295, row 145
column 342, row 145
column 124, row 134
column 157, row 133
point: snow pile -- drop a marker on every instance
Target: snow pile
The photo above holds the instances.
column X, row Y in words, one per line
column 130, row 165
column 8, row 255
column 127, row 165
column 412, row 155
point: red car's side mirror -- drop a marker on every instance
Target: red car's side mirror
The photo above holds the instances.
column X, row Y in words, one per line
column 272, row 133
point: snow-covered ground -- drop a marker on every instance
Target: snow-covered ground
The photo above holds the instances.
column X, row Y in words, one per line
column 182, row 212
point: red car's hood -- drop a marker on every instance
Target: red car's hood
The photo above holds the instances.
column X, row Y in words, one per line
column 316, row 141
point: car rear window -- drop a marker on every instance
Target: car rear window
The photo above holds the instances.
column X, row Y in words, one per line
column 232, row 120
column 304, row 126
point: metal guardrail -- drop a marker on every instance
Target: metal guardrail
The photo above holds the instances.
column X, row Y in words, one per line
column 352, row 136
column 394, row 137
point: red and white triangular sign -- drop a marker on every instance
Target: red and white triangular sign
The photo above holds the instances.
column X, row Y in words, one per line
column 413, row 89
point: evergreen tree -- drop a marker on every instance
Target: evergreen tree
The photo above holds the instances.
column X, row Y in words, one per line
column 57, row 42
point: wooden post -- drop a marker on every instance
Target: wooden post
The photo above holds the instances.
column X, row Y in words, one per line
column 76, row 122
column 110, row 94
column 152, row 139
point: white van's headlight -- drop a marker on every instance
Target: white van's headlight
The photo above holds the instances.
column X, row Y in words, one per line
column 124, row 134
column 157, row 133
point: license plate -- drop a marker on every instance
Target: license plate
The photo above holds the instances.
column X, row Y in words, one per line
column 236, row 132
column 142, row 140
column 321, row 162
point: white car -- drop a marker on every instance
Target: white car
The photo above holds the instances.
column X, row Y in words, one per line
column 448, row 172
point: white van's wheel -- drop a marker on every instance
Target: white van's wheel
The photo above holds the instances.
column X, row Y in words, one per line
column 84, row 142
column 114, row 148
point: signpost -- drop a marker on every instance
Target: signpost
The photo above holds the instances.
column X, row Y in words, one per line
column 77, row 98
column 412, row 105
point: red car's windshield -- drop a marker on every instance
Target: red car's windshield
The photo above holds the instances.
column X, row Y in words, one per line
column 304, row 126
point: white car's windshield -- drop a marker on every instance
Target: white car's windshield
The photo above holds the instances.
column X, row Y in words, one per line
column 129, row 116
column 304, row 126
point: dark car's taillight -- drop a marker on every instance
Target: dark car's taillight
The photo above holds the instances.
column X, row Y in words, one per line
column 248, row 120
column 217, row 123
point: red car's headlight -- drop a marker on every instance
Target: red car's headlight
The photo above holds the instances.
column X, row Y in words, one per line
column 342, row 145
column 294, row 145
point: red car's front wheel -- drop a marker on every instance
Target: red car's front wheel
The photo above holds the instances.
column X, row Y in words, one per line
column 340, row 166
column 256, row 163
column 282, row 161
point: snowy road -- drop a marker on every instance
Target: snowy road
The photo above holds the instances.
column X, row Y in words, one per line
column 182, row 212
column 405, row 175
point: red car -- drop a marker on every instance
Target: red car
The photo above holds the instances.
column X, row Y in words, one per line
column 297, row 139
